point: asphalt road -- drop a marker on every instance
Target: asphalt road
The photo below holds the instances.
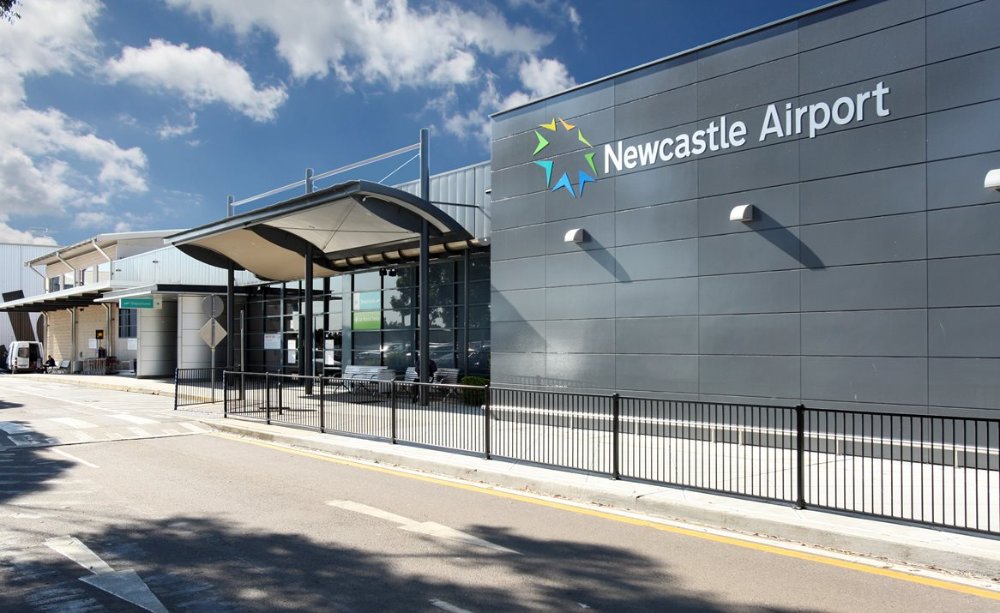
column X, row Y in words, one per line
column 181, row 520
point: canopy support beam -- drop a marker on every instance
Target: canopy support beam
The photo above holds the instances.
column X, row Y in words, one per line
column 424, row 273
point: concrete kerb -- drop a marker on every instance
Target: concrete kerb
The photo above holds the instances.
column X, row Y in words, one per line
column 951, row 552
column 973, row 556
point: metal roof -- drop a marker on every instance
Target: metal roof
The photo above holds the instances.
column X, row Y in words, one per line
column 80, row 296
column 102, row 241
column 347, row 225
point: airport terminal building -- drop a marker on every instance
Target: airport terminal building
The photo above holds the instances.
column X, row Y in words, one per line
column 796, row 214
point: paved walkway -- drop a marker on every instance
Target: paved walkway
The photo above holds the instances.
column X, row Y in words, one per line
column 961, row 553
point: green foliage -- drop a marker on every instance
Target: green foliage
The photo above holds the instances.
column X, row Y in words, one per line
column 474, row 397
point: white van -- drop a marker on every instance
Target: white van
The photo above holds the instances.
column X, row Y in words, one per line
column 25, row 356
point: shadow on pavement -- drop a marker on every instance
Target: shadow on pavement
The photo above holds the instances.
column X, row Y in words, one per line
column 24, row 471
column 200, row 564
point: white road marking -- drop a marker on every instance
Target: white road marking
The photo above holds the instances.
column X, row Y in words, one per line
column 74, row 458
column 82, row 437
column 129, row 586
column 75, row 550
column 11, row 427
column 448, row 607
column 134, row 419
column 194, row 427
column 428, row 528
column 72, row 422
column 140, row 432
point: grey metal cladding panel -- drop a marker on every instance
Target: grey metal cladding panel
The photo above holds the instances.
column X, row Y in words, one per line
column 518, row 211
column 749, row 169
column 518, row 243
column 657, row 112
column 963, row 231
column 972, row 383
column 672, row 183
column 519, row 120
column 657, row 335
column 760, row 292
column 962, row 31
column 598, row 197
column 880, row 53
column 937, row 6
column 963, row 131
column 955, row 282
column 658, row 260
column 906, row 98
column 580, row 336
column 582, row 101
column 759, row 376
column 774, row 207
column 899, row 285
column 762, row 84
column 580, row 302
column 516, row 367
column 773, row 334
column 963, row 81
column 854, row 19
column 959, row 181
column 964, row 333
column 510, row 151
column 881, row 192
column 662, row 297
column 657, row 223
column 657, row 373
column 757, row 48
column 600, row 234
column 517, row 181
column 655, row 79
column 866, row 241
column 523, row 273
column 900, row 333
column 518, row 305
column 582, row 268
column 582, row 370
column 518, row 336
column 749, row 252
column 865, row 379
column 895, row 143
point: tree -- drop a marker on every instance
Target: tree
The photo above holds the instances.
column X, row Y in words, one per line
column 7, row 12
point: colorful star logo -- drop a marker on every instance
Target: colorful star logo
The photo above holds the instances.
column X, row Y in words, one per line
column 564, row 181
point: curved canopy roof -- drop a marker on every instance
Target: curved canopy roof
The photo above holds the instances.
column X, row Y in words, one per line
column 349, row 224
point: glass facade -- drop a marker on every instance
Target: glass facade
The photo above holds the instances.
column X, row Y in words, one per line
column 370, row 318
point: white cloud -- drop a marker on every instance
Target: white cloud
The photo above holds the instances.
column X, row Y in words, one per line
column 21, row 237
column 172, row 130
column 376, row 41
column 50, row 162
column 200, row 75
column 543, row 77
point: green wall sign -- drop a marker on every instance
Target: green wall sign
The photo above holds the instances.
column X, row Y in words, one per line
column 367, row 320
column 139, row 302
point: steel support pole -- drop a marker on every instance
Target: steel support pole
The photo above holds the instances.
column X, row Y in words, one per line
column 424, row 273
column 800, row 457
column 230, row 302
column 466, row 294
column 309, row 337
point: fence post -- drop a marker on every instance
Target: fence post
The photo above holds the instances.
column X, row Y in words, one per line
column 225, row 395
column 487, row 450
column 267, row 396
column 392, row 411
column 281, row 401
column 800, row 456
column 177, row 385
column 615, row 427
column 322, row 406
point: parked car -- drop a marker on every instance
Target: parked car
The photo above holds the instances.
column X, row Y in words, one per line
column 26, row 356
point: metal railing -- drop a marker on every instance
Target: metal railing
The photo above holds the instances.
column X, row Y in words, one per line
column 937, row 470
column 193, row 386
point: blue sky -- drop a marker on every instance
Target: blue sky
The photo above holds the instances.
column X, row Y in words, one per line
column 121, row 115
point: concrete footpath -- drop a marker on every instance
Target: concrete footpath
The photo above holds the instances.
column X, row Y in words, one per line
column 974, row 556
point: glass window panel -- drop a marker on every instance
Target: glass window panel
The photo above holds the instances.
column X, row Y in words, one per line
column 442, row 294
column 406, row 277
column 443, row 317
column 367, row 340
column 479, row 268
column 397, row 319
column 479, row 316
column 367, row 281
column 398, row 299
column 368, row 358
column 442, row 272
column 479, row 292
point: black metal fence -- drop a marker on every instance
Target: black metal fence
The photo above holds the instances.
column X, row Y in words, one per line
column 943, row 471
column 193, row 386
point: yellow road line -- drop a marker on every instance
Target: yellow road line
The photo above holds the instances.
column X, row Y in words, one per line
column 635, row 521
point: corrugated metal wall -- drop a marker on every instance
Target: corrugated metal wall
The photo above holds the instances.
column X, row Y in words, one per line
column 14, row 275
column 462, row 186
column 170, row 265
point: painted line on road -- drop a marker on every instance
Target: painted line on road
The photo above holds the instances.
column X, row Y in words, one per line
column 74, row 458
column 445, row 606
column 635, row 520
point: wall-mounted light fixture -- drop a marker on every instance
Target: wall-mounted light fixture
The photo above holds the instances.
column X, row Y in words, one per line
column 741, row 212
column 576, row 235
column 992, row 180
